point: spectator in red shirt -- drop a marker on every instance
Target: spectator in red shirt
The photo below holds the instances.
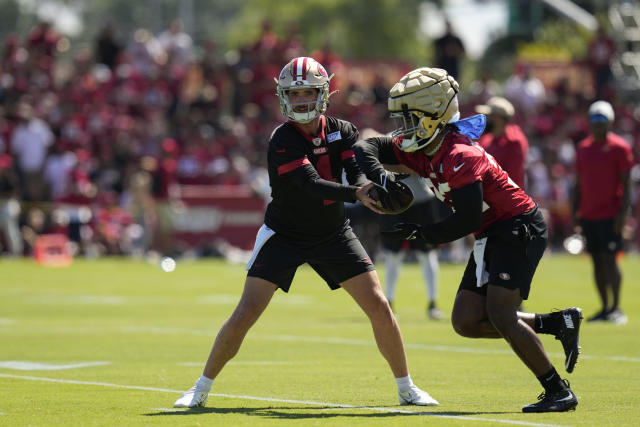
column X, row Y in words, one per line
column 504, row 140
column 601, row 202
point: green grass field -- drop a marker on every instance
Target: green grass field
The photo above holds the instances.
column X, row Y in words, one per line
column 131, row 338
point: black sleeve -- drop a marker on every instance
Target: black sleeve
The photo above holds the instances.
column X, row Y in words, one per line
column 467, row 218
column 309, row 181
column 372, row 153
column 353, row 172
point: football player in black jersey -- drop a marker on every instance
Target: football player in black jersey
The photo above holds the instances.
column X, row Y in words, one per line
column 305, row 223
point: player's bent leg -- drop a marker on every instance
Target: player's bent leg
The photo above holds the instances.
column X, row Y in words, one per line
column 255, row 298
column 502, row 309
column 366, row 291
column 564, row 325
column 469, row 317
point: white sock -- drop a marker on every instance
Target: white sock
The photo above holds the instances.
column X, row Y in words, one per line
column 392, row 263
column 404, row 383
column 429, row 266
column 204, row 383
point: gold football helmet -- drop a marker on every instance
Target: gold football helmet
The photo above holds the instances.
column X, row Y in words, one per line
column 303, row 73
column 422, row 102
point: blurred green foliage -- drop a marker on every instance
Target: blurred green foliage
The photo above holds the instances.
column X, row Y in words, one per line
column 372, row 29
column 377, row 29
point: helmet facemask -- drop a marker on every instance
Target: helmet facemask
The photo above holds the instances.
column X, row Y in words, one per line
column 303, row 73
column 315, row 108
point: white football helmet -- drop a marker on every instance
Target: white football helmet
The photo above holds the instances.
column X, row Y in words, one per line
column 423, row 102
column 303, row 73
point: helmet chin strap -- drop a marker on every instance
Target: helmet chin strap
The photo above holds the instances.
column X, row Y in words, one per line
column 429, row 151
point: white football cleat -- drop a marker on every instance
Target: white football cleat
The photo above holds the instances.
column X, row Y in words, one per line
column 192, row 398
column 415, row 396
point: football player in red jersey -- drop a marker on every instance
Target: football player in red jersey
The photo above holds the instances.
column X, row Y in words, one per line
column 505, row 141
column 305, row 223
column 510, row 232
column 601, row 201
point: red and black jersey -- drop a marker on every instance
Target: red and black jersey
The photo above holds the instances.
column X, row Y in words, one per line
column 460, row 162
column 305, row 175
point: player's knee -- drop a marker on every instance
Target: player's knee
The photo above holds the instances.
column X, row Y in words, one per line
column 463, row 325
column 504, row 321
column 243, row 316
column 379, row 308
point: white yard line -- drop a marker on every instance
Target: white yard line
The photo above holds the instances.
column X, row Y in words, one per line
column 273, row 399
column 23, row 365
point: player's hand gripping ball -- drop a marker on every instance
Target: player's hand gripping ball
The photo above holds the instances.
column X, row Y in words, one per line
column 392, row 195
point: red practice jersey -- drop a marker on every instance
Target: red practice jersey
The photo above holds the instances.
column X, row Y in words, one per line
column 460, row 162
column 510, row 151
column 599, row 166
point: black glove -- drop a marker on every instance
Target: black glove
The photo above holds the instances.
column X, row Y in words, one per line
column 390, row 181
column 405, row 231
column 392, row 195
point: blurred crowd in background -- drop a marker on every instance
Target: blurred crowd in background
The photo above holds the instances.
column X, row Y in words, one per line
column 99, row 148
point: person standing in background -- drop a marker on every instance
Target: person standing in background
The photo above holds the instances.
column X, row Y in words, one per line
column 601, row 203
column 449, row 51
column 505, row 141
column 30, row 142
column 9, row 206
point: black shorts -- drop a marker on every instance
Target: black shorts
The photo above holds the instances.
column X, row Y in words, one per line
column 336, row 259
column 600, row 236
column 514, row 248
column 425, row 212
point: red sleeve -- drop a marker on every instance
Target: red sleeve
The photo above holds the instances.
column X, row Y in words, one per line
column 624, row 158
column 465, row 167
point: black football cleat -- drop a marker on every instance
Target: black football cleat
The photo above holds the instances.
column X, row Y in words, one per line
column 569, row 336
column 560, row 401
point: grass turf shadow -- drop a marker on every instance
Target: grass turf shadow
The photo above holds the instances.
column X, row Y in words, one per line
column 281, row 412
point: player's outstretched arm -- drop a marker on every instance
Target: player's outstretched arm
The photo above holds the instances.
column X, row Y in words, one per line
column 371, row 153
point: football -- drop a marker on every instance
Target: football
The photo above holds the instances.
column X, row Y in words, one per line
column 397, row 200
